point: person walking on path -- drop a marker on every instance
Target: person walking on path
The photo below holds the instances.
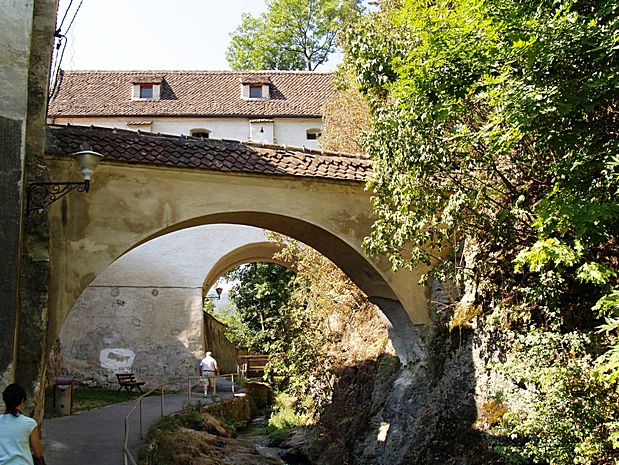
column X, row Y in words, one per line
column 208, row 373
column 19, row 435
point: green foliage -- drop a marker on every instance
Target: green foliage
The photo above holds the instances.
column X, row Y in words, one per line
column 226, row 313
column 291, row 35
column 284, row 417
column 564, row 413
column 302, row 319
column 261, row 298
column 494, row 124
column 209, row 306
column 608, row 363
column 491, row 118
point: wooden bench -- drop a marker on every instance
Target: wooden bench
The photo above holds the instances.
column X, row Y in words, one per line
column 128, row 381
column 255, row 363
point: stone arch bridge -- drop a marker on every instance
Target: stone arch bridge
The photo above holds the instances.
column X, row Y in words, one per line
column 148, row 185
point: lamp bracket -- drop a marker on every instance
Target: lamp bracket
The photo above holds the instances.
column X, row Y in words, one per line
column 42, row 194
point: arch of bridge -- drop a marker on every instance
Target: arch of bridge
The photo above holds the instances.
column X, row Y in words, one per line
column 248, row 253
column 129, row 204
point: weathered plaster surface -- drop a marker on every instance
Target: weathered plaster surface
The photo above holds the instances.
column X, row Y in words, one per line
column 128, row 205
column 155, row 332
column 15, row 34
column 144, row 312
column 26, row 33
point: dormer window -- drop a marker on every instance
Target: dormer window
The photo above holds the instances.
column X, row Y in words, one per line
column 255, row 86
column 146, row 91
column 203, row 133
column 146, row 88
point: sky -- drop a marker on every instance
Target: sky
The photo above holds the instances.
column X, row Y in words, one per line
column 154, row 34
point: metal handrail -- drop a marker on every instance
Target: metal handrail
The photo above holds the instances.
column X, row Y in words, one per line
column 128, row 458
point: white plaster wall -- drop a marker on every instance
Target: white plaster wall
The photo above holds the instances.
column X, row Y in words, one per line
column 15, row 31
column 261, row 132
column 291, row 131
column 144, row 312
column 286, row 131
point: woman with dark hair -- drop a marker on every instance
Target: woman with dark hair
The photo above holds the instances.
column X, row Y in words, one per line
column 19, row 437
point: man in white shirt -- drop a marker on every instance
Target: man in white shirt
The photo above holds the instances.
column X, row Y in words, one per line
column 208, row 372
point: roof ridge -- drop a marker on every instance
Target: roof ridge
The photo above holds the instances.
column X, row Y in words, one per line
column 309, row 150
column 192, row 71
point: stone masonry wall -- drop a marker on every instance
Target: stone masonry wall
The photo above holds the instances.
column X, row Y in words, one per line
column 26, row 38
column 223, row 350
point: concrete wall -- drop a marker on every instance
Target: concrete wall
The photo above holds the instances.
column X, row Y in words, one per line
column 286, row 131
column 144, row 312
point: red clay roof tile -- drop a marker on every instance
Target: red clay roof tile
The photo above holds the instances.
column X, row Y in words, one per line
column 196, row 93
column 208, row 154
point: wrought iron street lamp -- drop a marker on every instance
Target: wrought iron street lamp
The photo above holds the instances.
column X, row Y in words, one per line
column 218, row 290
column 42, row 194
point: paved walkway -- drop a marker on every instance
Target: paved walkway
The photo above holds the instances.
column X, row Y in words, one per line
column 95, row 437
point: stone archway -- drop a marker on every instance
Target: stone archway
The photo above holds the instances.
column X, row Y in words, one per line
column 143, row 313
column 131, row 203
column 248, row 253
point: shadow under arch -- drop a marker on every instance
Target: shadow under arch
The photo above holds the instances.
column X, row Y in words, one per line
column 355, row 265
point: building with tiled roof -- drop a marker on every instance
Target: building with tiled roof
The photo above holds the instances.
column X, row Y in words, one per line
column 276, row 107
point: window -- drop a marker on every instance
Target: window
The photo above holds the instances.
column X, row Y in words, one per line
column 146, row 87
column 255, row 91
column 255, row 88
column 146, row 91
column 313, row 134
column 204, row 133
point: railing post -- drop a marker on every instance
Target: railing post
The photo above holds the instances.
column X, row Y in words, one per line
column 125, row 458
column 189, row 389
column 162, row 400
column 141, row 432
column 232, row 378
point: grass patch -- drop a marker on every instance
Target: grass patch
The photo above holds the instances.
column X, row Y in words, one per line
column 181, row 438
column 284, row 417
column 86, row 398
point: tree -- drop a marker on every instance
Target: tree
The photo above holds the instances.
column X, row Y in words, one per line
column 305, row 318
column 346, row 116
column 261, row 298
column 290, row 35
column 494, row 124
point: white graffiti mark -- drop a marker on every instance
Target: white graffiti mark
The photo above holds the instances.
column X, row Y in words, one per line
column 116, row 359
